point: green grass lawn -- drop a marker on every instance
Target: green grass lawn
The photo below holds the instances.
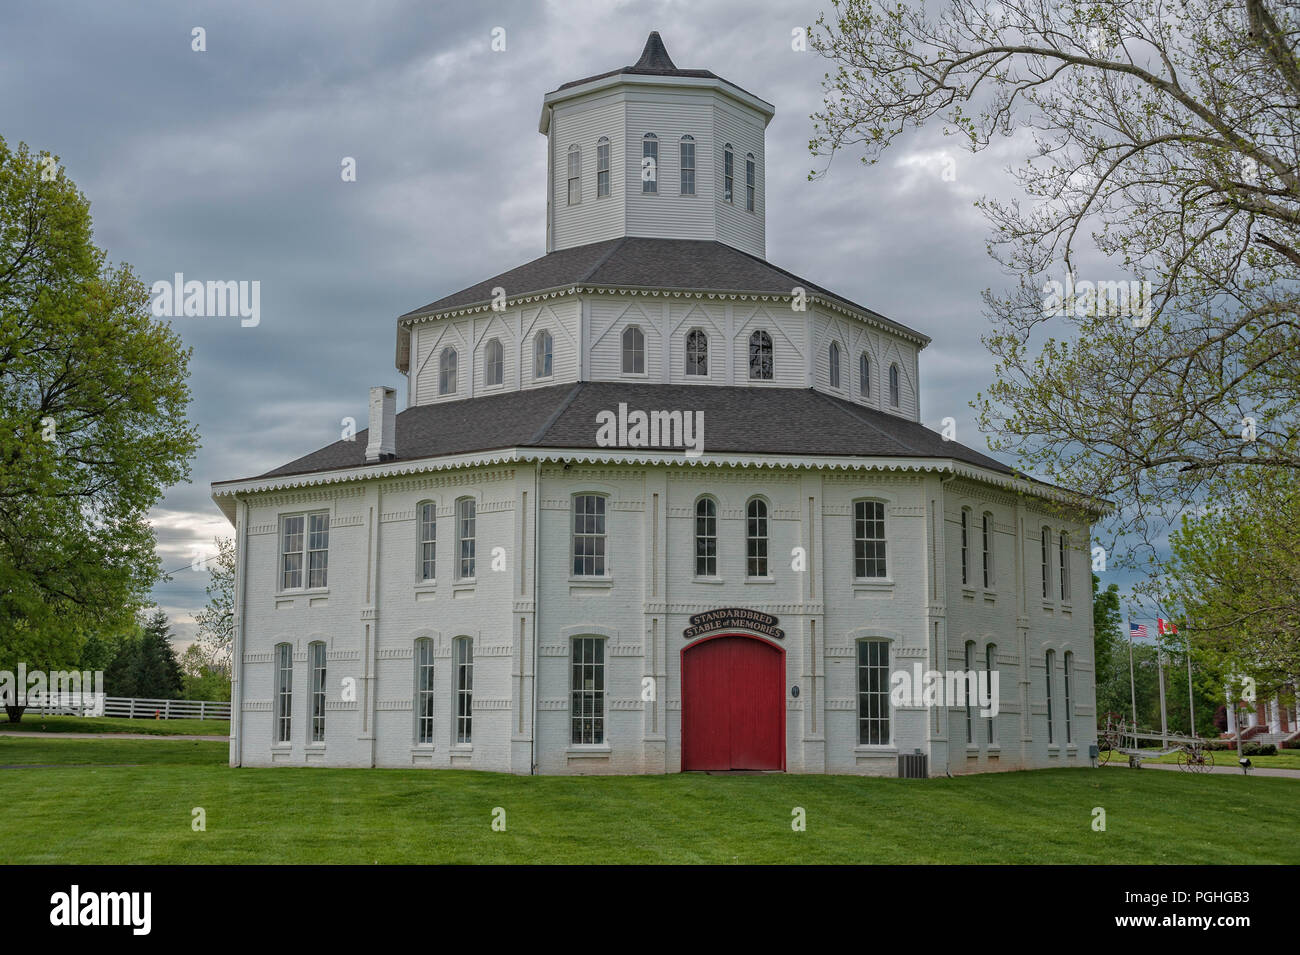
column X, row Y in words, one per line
column 35, row 723
column 90, row 808
column 1286, row 759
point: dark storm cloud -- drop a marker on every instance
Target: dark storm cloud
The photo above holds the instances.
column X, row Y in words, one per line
column 225, row 164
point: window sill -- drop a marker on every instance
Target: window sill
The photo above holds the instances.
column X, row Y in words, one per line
column 760, row 580
column 426, row 586
column 873, row 583
column 968, row 591
column 972, row 749
column 634, row 374
column 707, row 580
column 315, row 747
column 876, row 750
column 595, row 751
column 994, row 751
column 580, row 580
column 303, row 592
column 469, row 583
column 990, row 594
column 423, row 749
column 282, row 747
column 462, row 749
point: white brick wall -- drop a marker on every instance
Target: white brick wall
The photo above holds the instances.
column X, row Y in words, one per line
column 374, row 608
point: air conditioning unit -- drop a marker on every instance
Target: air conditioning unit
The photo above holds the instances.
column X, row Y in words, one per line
column 912, row 765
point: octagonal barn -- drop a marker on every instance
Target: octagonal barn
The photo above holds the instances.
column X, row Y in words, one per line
column 654, row 505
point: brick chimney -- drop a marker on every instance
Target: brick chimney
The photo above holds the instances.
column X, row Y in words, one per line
column 383, row 425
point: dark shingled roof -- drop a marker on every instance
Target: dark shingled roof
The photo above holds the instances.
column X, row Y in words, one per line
column 654, row 61
column 636, row 262
column 737, row 419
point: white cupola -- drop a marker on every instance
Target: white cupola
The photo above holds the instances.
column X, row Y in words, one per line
column 651, row 150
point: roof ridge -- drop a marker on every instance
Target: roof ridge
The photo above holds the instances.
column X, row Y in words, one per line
column 618, row 244
column 559, row 410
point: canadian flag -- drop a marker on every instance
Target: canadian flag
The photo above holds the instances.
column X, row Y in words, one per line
column 1165, row 626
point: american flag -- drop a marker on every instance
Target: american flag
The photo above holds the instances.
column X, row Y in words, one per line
column 1138, row 630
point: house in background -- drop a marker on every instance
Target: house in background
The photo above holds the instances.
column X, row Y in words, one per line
column 655, row 504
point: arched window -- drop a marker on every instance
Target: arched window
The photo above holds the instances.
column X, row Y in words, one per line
column 1045, row 537
column 750, row 180
column 428, row 540
column 688, row 165
column 589, row 535
column 864, row 375
column 650, row 163
column 1069, row 670
column 697, row 352
column 869, row 539
column 965, row 546
column 834, row 359
column 466, row 517
column 494, row 363
column 447, row 372
column 575, row 175
column 986, row 530
column 1051, row 678
column 760, row 356
column 893, row 386
column 706, row 538
column 542, row 354
column 633, row 351
column 873, row 692
column 728, row 172
column 756, row 538
column 424, row 691
column 1063, row 545
column 602, row 167
column 463, row 655
column 316, row 664
column 991, row 665
column 587, row 712
column 970, row 689
column 283, row 692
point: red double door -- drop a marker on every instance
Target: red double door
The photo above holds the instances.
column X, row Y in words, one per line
column 733, row 704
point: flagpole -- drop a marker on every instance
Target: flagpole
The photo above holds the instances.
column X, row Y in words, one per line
column 1132, row 687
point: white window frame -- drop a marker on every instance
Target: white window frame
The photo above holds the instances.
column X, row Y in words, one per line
column 706, row 534
column 587, row 703
column 466, row 538
column 463, row 690
column 424, row 693
column 970, row 704
column 758, row 539
column 448, row 367
column 1064, row 548
column 1067, row 661
column 874, row 722
column 494, row 360
column 574, row 178
column 543, row 355
column 650, row 150
column 751, row 182
column 728, row 174
column 283, row 693
column 761, row 339
column 316, row 667
column 684, row 167
column 697, row 361
column 991, row 665
column 311, row 559
column 591, row 528
column 426, row 533
column 635, row 350
column 833, row 360
column 1049, row 666
column 987, row 531
column 965, row 546
column 864, row 376
column 602, row 167
column 870, row 552
column 1045, row 547
column 895, row 388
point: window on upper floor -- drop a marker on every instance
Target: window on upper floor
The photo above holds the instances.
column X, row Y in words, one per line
column 1064, row 547
column 728, row 172
column 893, row 386
column 542, row 359
column 650, row 163
column 1045, row 538
column 304, row 541
column 986, row 534
column 873, row 693
column 428, row 540
column 494, row 363
column 965, row 545
column 749, row 182
column 633, row 351
column 575, row 175
column 688, row 165
column 602, row 167
column 864, row 375
column 587, row 706
column 760, row 356
column 466, row 518
column 869, row 540
column 588, row 535
column 833, row 358
column 756, row 538
column 697, row 352
column 706, row 537
column 447, row 372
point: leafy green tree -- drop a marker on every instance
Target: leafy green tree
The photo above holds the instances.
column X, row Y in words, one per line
column 1110, row 649
column 93, row 426
column 217, row 620
column 1163, row 145
column 146, row 665
column 203, row 679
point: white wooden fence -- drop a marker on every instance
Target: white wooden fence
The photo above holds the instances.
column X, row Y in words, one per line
column 91, row 704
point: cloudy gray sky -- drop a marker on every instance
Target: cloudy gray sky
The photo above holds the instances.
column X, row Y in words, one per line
column 225, row 164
